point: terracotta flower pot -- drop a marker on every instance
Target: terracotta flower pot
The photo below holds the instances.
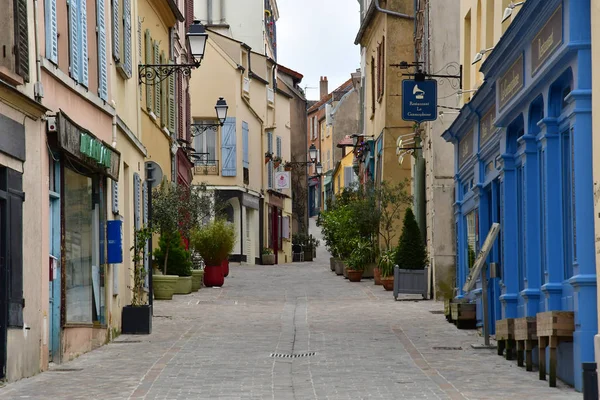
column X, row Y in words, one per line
column 354, row 276
column 377, row 276
column 213, row 275
column 225, row 266
column 388, row 283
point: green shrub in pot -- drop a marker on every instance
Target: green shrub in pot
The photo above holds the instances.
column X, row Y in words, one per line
column 214, row 241
column 179, row 260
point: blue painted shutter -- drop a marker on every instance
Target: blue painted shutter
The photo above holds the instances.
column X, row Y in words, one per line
column 51, row 32
column 127, row 50
column 74, row 38
column 136, row 201
column 145, row 222
column 115, row 197
column 228, row 148
column 246, row 159
column 116, row 30
column 278, row 148
column 83, row 44
column 102, row 58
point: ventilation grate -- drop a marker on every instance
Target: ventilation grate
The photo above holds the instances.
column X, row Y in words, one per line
column 281, row 355
column 66, row 370
column 126, row 341
column 446, row 348
column 436, row 312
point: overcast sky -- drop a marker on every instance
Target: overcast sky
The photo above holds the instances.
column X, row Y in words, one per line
column 316, row 38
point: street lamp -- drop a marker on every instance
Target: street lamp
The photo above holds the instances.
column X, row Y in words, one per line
column 221, row 109
column 479, row 55
column 509, row 10
column 319, row 168
column 197, row 37
column 312, row 152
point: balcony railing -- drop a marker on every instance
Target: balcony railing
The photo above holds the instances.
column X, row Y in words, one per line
column 203, row 165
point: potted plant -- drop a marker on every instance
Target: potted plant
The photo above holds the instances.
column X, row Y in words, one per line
column 197, row 271
column 287, row 166
column 268, row 157
column 360, row 257
column 171, row 252
column 386, row 268
column 277, row 161
column 212, row 242
column 411, row 274
column 267, row 256
column 137, row 317
column 227, row 240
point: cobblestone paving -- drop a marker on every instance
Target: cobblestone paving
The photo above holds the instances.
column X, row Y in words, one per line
column 218, row 344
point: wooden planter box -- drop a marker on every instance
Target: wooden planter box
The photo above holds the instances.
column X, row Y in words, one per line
column 410, row 281
column 447, row 311
column 505, row 336
column 526, row 338
column 308, row 254
column 464, row 315
column 553, row 327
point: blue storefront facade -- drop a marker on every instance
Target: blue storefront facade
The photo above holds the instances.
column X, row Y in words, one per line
column 523, row 158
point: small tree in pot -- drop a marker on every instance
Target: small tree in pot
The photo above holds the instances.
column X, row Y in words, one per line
column 411, row 259
column 214, row 242
column 179, row 260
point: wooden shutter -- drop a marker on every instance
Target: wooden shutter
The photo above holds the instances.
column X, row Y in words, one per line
column 102, row 57
column 51, row 31
column 116, row 30
column 157, row 98
column 15, row 247
column 21, row 39
column 83, row 44
column 171, row 103
column 74, row 39
column 246, row 156
column 136, row 200
column 188, row 117
column 149, row 58
column 180, row 106
column 127, row 48
column 228, row 148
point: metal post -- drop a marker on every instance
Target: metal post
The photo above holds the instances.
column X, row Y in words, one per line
column 484, row 298
column 149, row 185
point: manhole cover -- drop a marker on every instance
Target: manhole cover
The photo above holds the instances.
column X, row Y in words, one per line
column 436, row 312
column 282, row 355
column 66, row 370
column 446, row 348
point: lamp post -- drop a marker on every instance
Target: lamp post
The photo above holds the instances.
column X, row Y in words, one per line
column 156, row 73
column 221, row 109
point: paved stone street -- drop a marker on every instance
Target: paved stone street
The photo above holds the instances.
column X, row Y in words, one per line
column 356, row 342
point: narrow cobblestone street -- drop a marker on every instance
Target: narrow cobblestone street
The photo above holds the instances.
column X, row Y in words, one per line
column 357, row 343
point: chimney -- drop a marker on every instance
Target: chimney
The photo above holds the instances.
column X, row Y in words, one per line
column 323, row 87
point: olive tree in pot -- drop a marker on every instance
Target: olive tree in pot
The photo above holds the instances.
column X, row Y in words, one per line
column 386, row 268
column 411, row 273
column 137, row 317
column 214, row 242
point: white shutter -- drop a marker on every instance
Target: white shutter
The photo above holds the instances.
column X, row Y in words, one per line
column 149, row 58
column 102, row 57
column 127, row 48
column 83, row 44
column 116, row 31
column 51, row 31
column 74, row 39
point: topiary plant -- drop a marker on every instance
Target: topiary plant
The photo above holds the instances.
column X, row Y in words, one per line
column 411, row 253
column 179, row 261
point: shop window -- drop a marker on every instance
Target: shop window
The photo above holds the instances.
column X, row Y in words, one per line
column 84, row 217
column 206, row 145
column 472, row 237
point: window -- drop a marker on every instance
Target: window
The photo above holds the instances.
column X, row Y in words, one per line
column 472, row 237
column 380, row 69
column 83, row 243
column 121, row 36
column 51, row 31
column 205, row 145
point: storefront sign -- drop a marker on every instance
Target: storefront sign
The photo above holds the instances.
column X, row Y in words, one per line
column 487, row 127
column 547, row 40
column 511, row 82
column 419, row 100
column 282, row 180
column 250, row 201
column 465, row 148
column 87, row 148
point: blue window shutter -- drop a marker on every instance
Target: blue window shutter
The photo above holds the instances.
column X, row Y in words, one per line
column 145, row 222
column 83, row 44
column 116, row 30
column 270, row 175
column 51, row 32
column 136, row 201
column 270, row 142
column 102, row 58
column 246, row 159
column 228, row 148
column 74, row 38
column 278, row 148
column 127, row 50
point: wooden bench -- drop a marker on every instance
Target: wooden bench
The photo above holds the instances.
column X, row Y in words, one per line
column 553, row 327
column 526, row 338
column 505, row 336
column 463, row 315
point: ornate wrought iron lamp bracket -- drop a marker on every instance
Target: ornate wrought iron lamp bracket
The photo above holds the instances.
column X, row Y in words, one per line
column 150, row 74
column 453, row 73
column 199, row 129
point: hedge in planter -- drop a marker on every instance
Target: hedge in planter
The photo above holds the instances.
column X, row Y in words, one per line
column 411, row 259
column 214, row 242
column 178, row 260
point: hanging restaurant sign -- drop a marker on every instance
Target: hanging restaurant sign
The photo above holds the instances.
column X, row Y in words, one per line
column 511, row 82
column 419, row 100
column 87, row 148
column 547, row 40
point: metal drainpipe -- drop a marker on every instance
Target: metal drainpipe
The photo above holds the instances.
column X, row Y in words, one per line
column 38, row 92
column 390, row 12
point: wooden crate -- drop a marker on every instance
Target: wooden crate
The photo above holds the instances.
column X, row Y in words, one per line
column 505, row 329
column 463, row 311
column 525, row 328
column 555, row 323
